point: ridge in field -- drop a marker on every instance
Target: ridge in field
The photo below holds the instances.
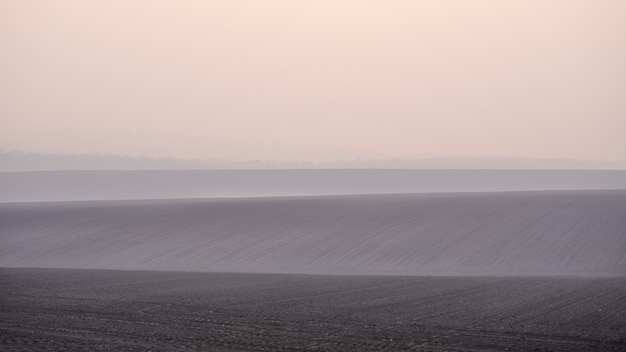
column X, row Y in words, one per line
column 519, row 233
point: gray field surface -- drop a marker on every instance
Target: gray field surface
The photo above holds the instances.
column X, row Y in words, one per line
column 518, row 233
column 169, row 184
column 93, row 310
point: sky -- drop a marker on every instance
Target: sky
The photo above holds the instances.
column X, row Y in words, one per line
column 315, row 80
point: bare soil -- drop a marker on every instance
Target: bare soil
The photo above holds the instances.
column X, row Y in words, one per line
column 98, row 310
column 516, row 233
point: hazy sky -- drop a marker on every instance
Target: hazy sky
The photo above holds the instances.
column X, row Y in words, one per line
column 315, row 80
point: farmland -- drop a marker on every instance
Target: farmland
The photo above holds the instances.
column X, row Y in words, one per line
column 514, row 233
column 516, row 271
column 53, row 309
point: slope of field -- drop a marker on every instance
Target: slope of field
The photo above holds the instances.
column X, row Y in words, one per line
column 115, row 185
column 93, row 310
column 517, row 233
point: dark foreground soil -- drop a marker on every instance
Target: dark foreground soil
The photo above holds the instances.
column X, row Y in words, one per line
column 93, row 310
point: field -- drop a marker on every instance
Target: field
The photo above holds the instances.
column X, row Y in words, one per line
column 95, row 310
column 503, row 271
column 516, row 233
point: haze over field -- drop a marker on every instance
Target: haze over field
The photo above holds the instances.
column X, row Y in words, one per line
column 173, row 184
column 536, row 83
column 315, row 81
column 11, row 161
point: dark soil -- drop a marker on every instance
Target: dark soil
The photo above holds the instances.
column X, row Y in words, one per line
column 95, row 310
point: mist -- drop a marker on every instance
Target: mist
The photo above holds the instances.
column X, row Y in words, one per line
column 315, row 81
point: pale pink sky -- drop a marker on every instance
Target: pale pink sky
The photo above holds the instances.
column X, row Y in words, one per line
column 315, row 80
